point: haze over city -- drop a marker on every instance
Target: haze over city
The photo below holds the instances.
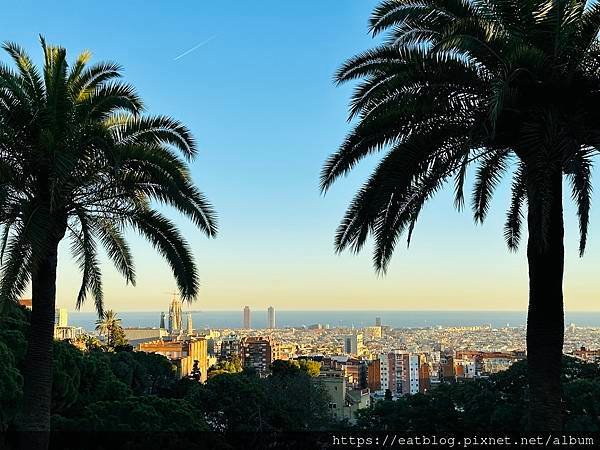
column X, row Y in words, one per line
column 263, row 135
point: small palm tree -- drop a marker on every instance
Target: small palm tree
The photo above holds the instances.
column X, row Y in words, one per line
column 502, row 85
column 106, row 324
column 78, row 159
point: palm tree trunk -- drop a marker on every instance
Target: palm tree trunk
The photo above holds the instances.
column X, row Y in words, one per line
column 545, row 320
column 37, row 370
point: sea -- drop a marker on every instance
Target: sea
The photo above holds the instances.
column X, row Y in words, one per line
column 345, row 319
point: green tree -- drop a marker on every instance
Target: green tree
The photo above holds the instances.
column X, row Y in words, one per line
column 98, row 380
column 312, row 368
column 148, row 413
column 281, row 368
column 233, row 402
column 79, row 159
column 502, row 85
column 11, row 386
column 229, row 365
column 66, row 380
column 159, row 373
column 294, row 367
column 297, row 402
column 109, row 326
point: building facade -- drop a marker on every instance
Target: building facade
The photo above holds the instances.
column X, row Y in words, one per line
column 402, row 373
column 230, row 347
column 374, row 375
column 344, row 401
column 183, row 354
column 353, row 344
column 61, row 317
column 258, row 353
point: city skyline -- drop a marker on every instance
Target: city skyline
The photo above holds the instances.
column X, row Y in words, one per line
column 276, row 239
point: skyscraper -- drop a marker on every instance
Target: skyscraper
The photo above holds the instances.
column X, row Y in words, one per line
column 247, row 317
column 271, row 314
column 162, row 320
column 377, row 321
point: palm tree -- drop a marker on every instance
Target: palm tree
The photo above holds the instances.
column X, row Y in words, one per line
column 79, row 160
column 106, row 324
column 507, row 86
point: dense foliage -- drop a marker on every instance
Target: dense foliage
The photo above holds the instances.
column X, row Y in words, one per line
column 98, row 390
column 496, row 404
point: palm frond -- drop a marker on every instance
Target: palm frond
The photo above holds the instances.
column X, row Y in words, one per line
column 514, row 215
column 165, row 238
column 579, row 172
column 488, row 175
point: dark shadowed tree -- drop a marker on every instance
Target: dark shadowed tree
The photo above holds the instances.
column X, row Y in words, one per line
column 79, row 159
column 503, row 86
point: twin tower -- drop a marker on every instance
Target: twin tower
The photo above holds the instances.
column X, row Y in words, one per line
column 270, row 317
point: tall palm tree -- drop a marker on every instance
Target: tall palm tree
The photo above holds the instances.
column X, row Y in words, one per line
column 507, row 86
column 79, row 160
column 106, row 324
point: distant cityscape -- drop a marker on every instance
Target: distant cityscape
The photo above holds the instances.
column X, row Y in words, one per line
column 359, row 365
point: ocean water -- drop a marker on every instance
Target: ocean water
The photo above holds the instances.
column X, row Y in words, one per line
column 395, row 319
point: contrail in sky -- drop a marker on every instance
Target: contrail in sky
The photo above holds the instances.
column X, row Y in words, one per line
column 195, row 47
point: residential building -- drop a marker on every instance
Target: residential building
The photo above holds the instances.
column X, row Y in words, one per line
column 465, row 368
column 587, row 354
column 230, row 346
column 344, row 400
column 494, row 362
column 182, row 353
column 402, row 373
column 259, row 352
column 374, row 375
column 353, row 344
column 357, row 370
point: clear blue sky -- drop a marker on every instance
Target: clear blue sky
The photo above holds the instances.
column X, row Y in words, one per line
column 259, row 98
